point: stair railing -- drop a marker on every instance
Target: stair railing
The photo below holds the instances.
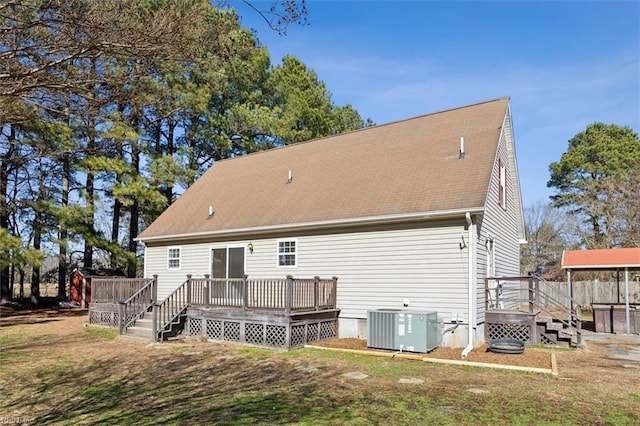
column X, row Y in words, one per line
column 130, row 310
column 175, row 305
column 508, row 293
column 573, row 310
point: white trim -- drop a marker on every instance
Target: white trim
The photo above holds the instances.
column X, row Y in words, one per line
column 179, row 258
column 144, row 272
column 333, row 224
column 295, row 253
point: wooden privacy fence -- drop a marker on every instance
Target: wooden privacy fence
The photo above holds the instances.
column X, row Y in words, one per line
column 586, row 293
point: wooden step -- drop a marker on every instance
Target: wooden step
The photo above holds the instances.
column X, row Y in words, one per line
column 140, row 331
column 144, row 323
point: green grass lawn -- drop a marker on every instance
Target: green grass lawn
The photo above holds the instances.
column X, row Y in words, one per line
column 88, row 377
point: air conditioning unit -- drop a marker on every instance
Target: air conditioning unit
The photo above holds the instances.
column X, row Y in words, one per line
column 403, row 330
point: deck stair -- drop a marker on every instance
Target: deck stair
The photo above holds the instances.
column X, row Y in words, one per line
column 526, row 309
column 553, row 332
column 142, row 328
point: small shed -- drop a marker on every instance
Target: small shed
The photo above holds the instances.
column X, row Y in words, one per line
column 80, row 283
column 617, row 259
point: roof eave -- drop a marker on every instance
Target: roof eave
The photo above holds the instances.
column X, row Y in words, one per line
column 317, row 226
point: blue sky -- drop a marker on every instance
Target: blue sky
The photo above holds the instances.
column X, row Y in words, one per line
column 564, row 64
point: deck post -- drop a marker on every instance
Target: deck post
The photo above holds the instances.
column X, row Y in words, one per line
column 334, row 293
column 289, row 295
column 570, row 301
column 121, row 317
column 316, row 295
column 189, row 288
column 579, row 326
column 154, row 290
column 154, row 327
column 207, row 290
column 245, row 292
column 531, row 294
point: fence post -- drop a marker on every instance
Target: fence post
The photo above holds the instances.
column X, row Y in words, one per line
column 289, row 295
column 245, row 290
column 121, row 316
column 316, row 295
column 154, row 290
column 207, row 290
column 189, row 288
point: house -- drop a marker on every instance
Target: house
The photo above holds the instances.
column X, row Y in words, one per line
column 416, row 213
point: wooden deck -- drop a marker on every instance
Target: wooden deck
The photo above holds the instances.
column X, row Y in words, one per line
column 522, row 308
column 280, row 313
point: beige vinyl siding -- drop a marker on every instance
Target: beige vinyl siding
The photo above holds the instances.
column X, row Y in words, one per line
column 503, row 225
column 375, row 269
column 378, row 269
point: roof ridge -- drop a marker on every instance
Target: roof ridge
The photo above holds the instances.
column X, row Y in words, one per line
column 252, row 154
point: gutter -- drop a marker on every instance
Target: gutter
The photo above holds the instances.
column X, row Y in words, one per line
column 469, row 346
column 253, row 232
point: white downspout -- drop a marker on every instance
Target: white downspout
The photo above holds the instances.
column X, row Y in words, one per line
column 469, row 347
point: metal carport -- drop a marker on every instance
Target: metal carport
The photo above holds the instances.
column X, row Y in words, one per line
column 616, row 259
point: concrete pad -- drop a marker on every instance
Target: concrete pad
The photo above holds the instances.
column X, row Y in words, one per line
column 477, row 391
column 308, row 369
column 355, row 375
column 411, row 381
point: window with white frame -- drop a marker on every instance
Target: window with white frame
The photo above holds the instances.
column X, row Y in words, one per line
column 173, row 258
column 287, row 253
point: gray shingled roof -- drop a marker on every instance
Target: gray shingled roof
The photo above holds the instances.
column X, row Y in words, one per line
column 404, row 168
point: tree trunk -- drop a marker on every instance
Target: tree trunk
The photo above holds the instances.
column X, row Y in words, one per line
column 117, row 210
column 87, row 258
column 35, row 274
column 168, row 190
column 63, row 235
column 5, row 164
column 132, row 267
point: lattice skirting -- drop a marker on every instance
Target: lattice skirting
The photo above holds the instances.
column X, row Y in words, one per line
column 104, row 318
column 520, row 332
column 283, row 336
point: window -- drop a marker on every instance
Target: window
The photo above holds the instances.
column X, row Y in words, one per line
column 502, row 185
column 227, row 262
column 173, row 258
column 287, row 254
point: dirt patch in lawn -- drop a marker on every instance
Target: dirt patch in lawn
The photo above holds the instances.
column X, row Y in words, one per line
column 531, row 357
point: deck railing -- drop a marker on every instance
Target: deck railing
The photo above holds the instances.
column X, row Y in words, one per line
column 534, row 293
column 115, row 289
column 289, row 295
